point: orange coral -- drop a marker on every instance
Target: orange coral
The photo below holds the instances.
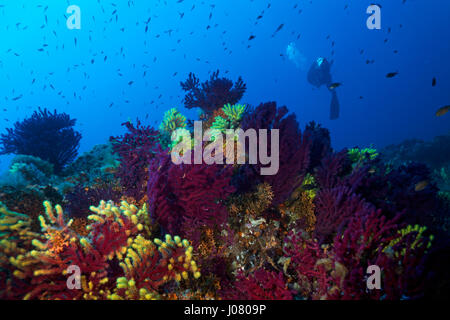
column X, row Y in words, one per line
column 58, row 240
column 300, row 210
column 79, row 226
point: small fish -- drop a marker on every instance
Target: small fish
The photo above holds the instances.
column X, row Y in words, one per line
column 278, row 29
column 433, row 82
column 421, row 185
column 251, row 37
column 334, row 85
column 391, row 74
column 443, row 110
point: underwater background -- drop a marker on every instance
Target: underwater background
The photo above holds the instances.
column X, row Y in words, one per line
column 120, row 75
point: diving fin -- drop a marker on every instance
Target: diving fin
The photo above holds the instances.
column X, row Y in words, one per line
column 334, row 106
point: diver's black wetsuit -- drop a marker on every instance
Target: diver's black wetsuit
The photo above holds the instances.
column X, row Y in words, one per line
column 318, row 75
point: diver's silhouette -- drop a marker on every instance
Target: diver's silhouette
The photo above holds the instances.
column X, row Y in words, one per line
column 318, row 75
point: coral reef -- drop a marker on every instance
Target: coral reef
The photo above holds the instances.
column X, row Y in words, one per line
column 46, row 135
column 220, row 231
column 435, row 153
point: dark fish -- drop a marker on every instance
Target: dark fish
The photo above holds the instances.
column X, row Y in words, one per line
column 278, row 29
column 391, row 74
column 433, row 82
column 251, row 37
column 443, row 110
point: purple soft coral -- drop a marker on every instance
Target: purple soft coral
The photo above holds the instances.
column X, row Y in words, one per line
column 293, row 149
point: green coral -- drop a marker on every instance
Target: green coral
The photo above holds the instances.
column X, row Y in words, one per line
column 220, row 124
column 172, row 121
column 309, row 186
column 360, row 156
column 234, row 113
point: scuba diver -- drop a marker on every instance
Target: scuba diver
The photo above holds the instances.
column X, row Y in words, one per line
column 318, row 75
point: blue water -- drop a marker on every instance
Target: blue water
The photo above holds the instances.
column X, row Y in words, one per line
column 391, row 110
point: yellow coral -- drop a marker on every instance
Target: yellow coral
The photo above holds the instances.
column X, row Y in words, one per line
column 107, row 210
column 186, row 260
column 145, row 257
column 419, row 239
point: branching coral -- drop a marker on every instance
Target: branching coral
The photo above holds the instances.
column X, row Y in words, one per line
column 148, row 266
column 173, row 120
column 232, row 116
column 212, row 94
column 293, row 146
column 334, row 207
column 16, row 237
column 370, row 239
column 49, row 136
column 314, row 272
column 359, row 156
column 45, row 268
column 261, row 285
column 185, row 197
column 135, row 149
